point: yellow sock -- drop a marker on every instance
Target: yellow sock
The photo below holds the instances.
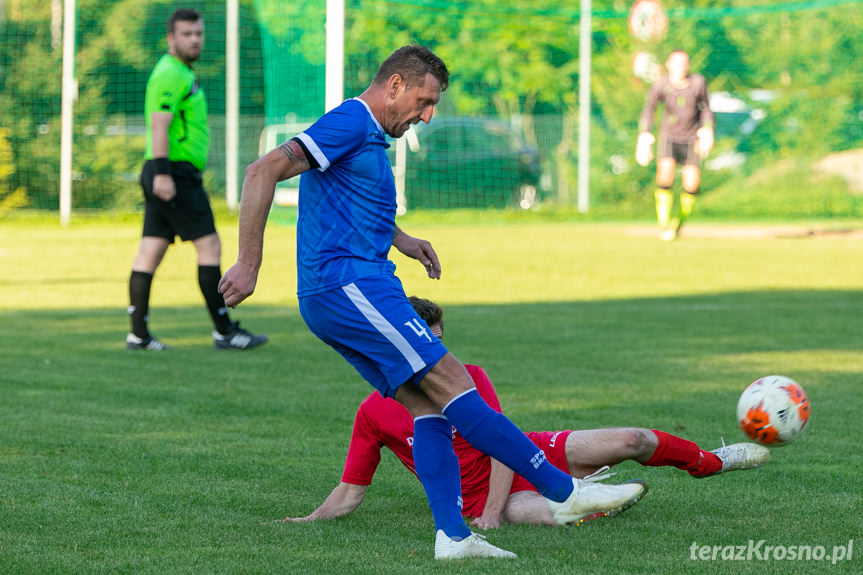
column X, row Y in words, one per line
column 664, row 199
column 687, row 202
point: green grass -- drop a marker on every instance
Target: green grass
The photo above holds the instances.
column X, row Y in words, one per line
column 114, row 462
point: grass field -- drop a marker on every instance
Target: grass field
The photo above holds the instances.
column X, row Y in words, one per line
column 116, row 462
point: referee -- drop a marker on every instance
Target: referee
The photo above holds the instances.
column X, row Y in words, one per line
column 175, row 201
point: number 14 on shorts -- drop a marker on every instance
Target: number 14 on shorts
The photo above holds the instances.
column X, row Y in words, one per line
column 418, row 328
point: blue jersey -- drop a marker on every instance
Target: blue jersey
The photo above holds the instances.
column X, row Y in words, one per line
column 347, row 205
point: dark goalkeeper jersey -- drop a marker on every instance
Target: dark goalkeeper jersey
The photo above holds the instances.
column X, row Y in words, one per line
column 685, row 109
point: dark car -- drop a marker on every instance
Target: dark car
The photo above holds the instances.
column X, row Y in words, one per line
column 467, row 162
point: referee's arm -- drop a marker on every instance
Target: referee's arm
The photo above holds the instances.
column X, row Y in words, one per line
column 163, row 184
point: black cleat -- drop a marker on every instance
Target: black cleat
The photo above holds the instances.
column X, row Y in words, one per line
column 237, row 338
column 149, row 343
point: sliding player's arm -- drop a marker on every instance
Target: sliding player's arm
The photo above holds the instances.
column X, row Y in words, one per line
column 364, row 455
column 499, row 485
column 343, row 499
column 500, row 476
column 259, row 187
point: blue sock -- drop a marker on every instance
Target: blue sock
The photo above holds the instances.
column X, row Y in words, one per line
column 437, row 467
column 495, row 435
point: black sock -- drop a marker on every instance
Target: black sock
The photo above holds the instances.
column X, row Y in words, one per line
column 208, row 279
column 139, row 302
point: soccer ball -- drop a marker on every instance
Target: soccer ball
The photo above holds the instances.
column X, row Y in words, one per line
column 773, row 411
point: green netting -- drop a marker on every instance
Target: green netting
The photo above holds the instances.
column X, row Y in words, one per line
column 118, row 43
column 293, row 43
column 785, row 76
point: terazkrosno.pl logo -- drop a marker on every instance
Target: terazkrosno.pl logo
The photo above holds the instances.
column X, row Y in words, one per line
column 761, row 551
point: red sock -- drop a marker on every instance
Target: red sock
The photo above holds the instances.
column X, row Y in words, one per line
column 683, row 454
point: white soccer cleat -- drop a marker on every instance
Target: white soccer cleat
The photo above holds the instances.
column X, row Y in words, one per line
column 669, row 234
column 591, row 500
column 739, row 456
column 473, row 546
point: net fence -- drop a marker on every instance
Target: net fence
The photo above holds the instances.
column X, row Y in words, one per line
column 784, row 77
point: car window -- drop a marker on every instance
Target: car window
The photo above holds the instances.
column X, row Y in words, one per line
column 500, row 138
column 469, row 138
column 439, row 140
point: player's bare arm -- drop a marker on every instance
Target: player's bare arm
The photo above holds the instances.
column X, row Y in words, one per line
column 343, row 499
column 163, row 184
column 418, row 249
column 499, row 484
column 259, row 187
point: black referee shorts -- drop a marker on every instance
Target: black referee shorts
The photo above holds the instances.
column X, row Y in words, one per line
column 188, row 215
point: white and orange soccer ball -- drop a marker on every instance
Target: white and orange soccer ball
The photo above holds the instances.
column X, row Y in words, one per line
column 773, row 411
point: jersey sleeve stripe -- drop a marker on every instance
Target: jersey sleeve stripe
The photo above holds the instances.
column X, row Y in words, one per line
column 431, row 415
column 383, row 326
column 314, row 150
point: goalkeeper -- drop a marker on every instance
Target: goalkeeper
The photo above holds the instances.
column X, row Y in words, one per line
column 685, row 137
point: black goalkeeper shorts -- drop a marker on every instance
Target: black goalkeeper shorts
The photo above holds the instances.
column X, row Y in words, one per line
column 187, row 215
column 683, row 152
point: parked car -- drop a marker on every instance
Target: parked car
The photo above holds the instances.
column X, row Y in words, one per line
column 736, row 120
column 469, row 162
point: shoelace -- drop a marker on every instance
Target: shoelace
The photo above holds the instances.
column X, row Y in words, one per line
column 599, row 475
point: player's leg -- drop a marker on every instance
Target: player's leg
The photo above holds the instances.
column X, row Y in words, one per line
column 522, row 505
column 588, row 450
column 527, row 507
column 438, row 469
column 691, row 179
column 449, row 385
column 675, row 451
column 227, row 334
column 374, row 327
column 192, row 217
column 435, row 461
column 495, row 435
column 665, row 168
column 151, row 250
column 209, row 249
column 150, row 253
column 157, row 235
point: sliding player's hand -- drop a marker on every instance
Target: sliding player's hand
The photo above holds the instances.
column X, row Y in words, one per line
column 486, row 522
column 296, row 519
column 238, row 283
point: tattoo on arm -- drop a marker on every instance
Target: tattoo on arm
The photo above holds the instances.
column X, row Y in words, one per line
column 296, row 155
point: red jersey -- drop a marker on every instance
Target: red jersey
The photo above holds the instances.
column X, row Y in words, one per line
column 384, row 422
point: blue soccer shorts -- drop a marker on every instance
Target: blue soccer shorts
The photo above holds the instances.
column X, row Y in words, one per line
column 371, row 323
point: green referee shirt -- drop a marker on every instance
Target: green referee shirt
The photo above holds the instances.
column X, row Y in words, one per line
column 173, row 88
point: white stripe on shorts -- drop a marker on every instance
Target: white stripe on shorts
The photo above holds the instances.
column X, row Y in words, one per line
column 383, row 326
